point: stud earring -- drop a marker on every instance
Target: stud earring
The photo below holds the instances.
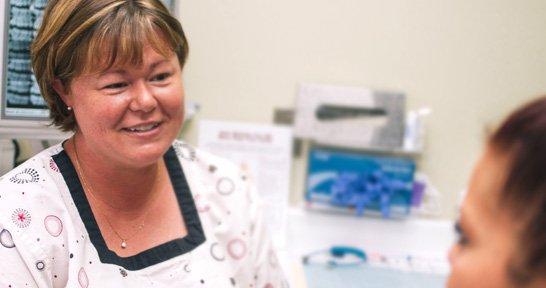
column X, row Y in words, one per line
column 68, row 108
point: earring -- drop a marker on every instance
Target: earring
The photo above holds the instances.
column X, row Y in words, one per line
column 68, row 108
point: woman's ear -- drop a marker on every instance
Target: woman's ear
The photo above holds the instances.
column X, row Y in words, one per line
column 60, row 88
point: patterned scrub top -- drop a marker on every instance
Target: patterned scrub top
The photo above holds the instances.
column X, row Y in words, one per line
column 49, row 236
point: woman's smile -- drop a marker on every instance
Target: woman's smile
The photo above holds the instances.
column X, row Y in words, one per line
column 144, row 130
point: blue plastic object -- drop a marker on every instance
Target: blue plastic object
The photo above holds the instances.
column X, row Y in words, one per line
column 337, row 256
column 367, row 183
column 359, row 190
column 341, row 251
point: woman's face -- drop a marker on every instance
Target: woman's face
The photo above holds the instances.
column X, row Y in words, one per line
column 130, row 115
column 487, row 240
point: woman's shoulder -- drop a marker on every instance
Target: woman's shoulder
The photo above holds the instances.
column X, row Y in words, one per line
column 209, row 162
column 32, row 171
column 34, row 214
column 31, row 185
column 214, row 178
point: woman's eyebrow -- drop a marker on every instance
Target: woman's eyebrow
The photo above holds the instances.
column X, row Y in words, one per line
column 157, row 63
column 122, row 71
column 116, row 71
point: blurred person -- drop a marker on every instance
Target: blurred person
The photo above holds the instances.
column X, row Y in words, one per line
column 122, row 203
column 502, row 226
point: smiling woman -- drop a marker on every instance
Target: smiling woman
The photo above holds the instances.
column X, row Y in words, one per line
column 122, row 194
column 138, row 109
column 101, row 35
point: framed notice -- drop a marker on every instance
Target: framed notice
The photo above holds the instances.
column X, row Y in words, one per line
column 264, row 152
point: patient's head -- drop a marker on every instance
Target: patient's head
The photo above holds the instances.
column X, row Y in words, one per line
column 502, row 226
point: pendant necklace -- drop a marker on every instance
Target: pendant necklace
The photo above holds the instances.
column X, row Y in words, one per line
column 88, row 188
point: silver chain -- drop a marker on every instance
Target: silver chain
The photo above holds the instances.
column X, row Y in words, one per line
column 88, row 188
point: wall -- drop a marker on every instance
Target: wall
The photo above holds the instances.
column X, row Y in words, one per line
column 469, row 61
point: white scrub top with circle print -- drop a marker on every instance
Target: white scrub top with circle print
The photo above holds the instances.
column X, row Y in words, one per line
column 49, row 236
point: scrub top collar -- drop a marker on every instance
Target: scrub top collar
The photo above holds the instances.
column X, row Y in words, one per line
column 154, row 255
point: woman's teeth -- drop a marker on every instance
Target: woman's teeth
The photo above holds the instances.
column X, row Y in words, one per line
column 143, row 128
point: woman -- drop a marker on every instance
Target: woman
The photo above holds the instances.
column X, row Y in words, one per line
column 502, row 224
column 120, row 204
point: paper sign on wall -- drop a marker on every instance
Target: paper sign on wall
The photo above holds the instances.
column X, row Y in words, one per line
column 265, row 152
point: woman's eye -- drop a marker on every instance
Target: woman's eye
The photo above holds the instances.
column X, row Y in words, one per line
column 116, row 85
column 161, row 77
column 462, row 238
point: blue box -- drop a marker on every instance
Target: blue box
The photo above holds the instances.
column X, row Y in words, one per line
column 368, row 183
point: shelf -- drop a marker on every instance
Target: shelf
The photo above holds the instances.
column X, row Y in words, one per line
column 380, row 151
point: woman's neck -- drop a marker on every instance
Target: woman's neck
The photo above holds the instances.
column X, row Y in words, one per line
column 119, row 187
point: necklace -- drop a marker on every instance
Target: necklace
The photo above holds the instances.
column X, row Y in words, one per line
column 87, row 187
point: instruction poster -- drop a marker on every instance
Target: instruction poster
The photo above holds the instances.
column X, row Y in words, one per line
column 264, row 152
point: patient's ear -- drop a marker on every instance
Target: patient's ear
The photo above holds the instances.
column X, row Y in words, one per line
column 62, row 90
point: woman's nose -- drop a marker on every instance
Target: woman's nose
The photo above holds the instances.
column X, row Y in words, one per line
column 143, row 98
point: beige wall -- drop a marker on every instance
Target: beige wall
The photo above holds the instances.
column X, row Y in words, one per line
column 470, row 61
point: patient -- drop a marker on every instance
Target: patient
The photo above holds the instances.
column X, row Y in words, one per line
column 502, row 227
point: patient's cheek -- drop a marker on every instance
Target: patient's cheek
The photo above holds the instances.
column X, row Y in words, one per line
column 477, row 270
column 453, row 254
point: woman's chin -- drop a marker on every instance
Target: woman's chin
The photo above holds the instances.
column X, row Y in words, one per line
column 146, row 156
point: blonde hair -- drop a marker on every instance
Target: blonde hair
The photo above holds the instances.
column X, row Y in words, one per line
column 80, row 36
